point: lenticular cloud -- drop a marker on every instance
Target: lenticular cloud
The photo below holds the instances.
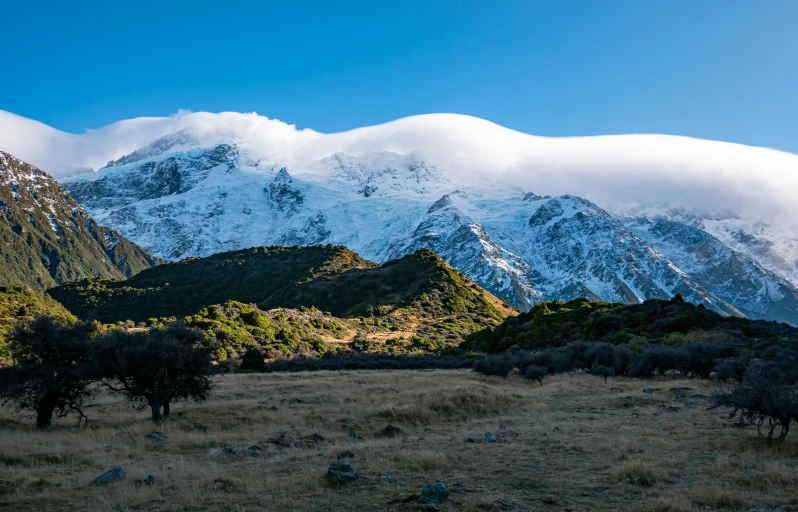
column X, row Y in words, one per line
column 707, row 176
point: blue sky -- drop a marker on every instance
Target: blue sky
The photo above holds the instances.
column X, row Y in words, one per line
column 719, row 69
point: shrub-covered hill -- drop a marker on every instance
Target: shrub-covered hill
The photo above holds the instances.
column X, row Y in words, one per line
column 23, row 303
column 554, row 324
column 46, row 238
column 419, row 296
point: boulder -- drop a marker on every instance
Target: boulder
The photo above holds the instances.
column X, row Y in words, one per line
column 490, row 437
column 340, row 473
column 147, row 480
column 232, row 451
column 112, row 475
column 435, row 491
column 391, row 430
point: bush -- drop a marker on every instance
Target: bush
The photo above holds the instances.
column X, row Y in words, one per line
column 764, row 399
column 534, row 372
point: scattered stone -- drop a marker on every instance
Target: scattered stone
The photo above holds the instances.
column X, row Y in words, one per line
column 648, row 390
column 112, row 475
column 504, row 505
column 254, row 450
column 232, row 451
column 474, row 439
column 147, row 480
column 436, row 491
column 387, row 478
column 490, row 437
column 340, row 473
column 157, row 436
column 391, row 430
column 279, row 441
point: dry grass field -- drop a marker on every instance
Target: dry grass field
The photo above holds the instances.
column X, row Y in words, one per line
column 575, row 443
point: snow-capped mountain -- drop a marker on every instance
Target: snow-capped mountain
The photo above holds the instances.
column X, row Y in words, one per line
column 520, row 246
column 627, row 217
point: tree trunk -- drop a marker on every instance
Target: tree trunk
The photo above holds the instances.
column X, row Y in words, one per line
column 166, row 410
column 45, row 409
column 44, row 416
column 156, row 413
column 785, row 428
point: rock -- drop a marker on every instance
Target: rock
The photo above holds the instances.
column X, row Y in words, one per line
column 436, row 491
column 316, row 437
column 296, row 401
column 474, row 439
column 157, row 436
column 232, row 451
column 147, row 480
column 556, row 429
column 648, row 390
column 340, row 473
column 112, row 475
column 281, row 441
column 387, row 478
column 430, row 504
column 353, row 434
column 391, row 430
column 490, row 437
column 254, row 450
column 504, row 505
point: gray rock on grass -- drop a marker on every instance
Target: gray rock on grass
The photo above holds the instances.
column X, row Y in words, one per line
column 112, row 475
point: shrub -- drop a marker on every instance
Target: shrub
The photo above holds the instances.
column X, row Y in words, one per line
column 764, row 399
column 535, row 372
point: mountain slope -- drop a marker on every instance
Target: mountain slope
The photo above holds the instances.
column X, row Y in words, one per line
column 46, row 238
column 178, row 200
column 417, row 296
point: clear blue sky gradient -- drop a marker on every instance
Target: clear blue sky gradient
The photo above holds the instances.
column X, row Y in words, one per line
column 718, row 69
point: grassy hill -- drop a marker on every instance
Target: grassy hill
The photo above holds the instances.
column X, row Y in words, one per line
column 417, row 301
column 46, row 238
column 23, row 303
column 554, row 324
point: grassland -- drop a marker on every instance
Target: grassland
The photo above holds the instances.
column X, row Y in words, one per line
column 574, row 443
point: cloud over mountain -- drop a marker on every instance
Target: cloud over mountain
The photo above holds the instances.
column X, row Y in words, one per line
column 707, row 176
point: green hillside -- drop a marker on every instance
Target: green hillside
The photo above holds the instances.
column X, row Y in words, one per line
column 554, row 324
column 23, row 303
column 417, row 300
column 46, row 238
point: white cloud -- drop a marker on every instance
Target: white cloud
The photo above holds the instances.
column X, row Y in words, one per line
column 619, row 169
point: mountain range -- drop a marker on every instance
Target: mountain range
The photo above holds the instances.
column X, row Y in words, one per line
column 196, row 192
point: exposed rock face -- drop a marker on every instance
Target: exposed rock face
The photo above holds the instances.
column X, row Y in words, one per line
column 177, row 199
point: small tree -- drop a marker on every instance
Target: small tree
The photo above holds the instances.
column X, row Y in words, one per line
column 535, row 372
column 157, row 367
column 50, row 374
column 764, row 399
column 603, row 371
